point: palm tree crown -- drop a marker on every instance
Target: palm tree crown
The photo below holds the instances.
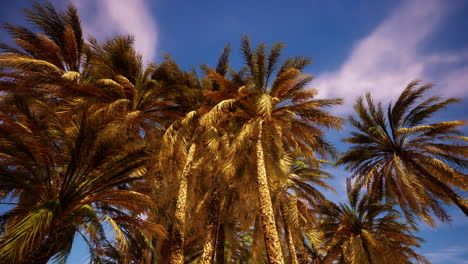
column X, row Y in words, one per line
column 399, row 156
column 366, row 232
column 67, row 177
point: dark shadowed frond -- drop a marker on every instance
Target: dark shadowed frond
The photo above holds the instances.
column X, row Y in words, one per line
column 115, row 56
column 222, row 67
column 61, row 42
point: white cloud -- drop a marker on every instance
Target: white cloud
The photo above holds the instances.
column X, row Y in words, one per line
column 385, row 61
column 105, row 18
column 452, row 254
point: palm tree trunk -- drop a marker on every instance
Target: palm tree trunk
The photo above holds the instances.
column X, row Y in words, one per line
column 272, row 243
column 209, row 244
column 220, row 241
column 210, row 241
column 290, row 240
column 177, row 248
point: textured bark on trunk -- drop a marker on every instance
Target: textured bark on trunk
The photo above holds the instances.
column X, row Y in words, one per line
column 177, row 248
column 272, row 243
column 208, row 245
column 290, row 240
column 210, row 240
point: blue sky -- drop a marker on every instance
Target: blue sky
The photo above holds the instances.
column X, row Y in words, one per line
column 357, row 46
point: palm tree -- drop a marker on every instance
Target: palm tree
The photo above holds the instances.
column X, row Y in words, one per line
column 59, row 66
column 216, row 191
column 366, row 232
column 197, row 141
column 279, row 117
column 398, row 155
column 299, row 200
column 49, row 64
column 60, row 47
column 184, row 140
column 67, row 177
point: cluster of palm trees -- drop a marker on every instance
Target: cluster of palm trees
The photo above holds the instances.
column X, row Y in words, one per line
column 154, row 164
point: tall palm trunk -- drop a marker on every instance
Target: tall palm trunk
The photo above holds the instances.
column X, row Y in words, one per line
column 213, row 223
column 177, row 248
column 220, row 241
column 290, row 240
column 272, row 242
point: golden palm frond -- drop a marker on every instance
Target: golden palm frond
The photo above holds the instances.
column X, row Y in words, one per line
column 400, row 156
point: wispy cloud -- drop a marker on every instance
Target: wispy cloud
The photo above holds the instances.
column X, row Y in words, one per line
column 453, row 254
column 105, row 18
column 385, row 61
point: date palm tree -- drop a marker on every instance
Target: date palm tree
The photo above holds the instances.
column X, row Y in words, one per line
column 299, row 200
column 192, row 141
column 401, row 156
column 117, row 70
column 278, row 117
column 60, row 48
column 67, row 177
column 59, row 66
column 365, row 232
column 49, row 64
